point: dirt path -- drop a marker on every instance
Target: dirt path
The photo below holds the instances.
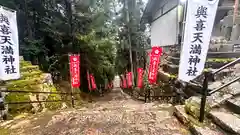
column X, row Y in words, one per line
column 113, row 114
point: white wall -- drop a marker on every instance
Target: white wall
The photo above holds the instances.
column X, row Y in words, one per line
column 164, row 30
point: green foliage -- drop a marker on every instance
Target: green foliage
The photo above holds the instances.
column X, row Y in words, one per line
column 51, row 29
column 130, row 34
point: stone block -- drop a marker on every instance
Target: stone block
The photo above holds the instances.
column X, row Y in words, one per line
column 235, row 32
column 205, row 129
column 228, row 21
column 162, row 76
column 227, row 121
column 234, row 104
column 218, row 98
column 192, row 106
column 234, row 88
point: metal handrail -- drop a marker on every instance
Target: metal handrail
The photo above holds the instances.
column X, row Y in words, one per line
column 208, row 75
column 223, row 86
column 226, row 66
column 36, row 92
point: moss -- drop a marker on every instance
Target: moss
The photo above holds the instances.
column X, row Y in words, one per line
column 30, row 75
column 4, row 131
column 172, row 76
column 220, row 60
column 23, row 84
column 25, row 63
column 192, row 107
column 36, row 87
column 18, row 108
column 53, row 97
column 29, row 68
column 206, row 70
column 195, row 122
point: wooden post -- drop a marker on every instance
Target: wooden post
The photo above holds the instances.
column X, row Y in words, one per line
column 72, row 98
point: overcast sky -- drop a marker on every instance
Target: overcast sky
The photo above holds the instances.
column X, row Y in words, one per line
column 145, row 1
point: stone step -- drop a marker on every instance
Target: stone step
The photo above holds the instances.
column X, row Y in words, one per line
column 218, row 98
column 163, row 76
column 170, row 68
column 217, row 55
column 234, row 104
column 226, row 120
column 214, row 63
column 25, row 63
column 233, row 89
column 29, row 68
column 173, row 69
column 195, row 127
column 26, row 75
column 26, row 84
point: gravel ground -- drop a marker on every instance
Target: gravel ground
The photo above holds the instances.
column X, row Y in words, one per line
column 114, row 114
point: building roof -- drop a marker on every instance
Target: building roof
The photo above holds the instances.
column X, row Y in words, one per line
column 147, row 14
column 222, row 10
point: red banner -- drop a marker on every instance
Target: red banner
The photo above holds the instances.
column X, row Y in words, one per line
column 75, row 70
column 154, row 63
column 129, row 79
column 94, row 86
column 140, row 78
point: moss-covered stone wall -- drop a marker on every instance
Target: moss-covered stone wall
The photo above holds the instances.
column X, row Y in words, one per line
column 32, row 79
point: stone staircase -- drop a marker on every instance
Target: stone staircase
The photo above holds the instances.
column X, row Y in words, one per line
column 32, row 79
column 223, row 117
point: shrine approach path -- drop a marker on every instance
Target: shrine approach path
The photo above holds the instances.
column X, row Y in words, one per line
column 116, row 113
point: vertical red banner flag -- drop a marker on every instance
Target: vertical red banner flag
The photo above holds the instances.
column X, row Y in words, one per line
column 75, row 70
column 129, row 79
column 94, row 86
column 154, row 63
column 140, row 78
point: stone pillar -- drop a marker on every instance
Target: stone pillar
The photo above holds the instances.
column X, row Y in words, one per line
column 228, row 25
column 235, row 32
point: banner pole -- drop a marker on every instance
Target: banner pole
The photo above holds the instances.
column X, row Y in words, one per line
column 72, row 98
column 204, row 96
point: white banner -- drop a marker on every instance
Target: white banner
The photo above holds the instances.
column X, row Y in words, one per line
column 199, row 24
column 9, row 47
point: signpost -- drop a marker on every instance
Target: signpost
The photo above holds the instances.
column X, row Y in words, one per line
column 9, row 54
column 199, row 24
column 74, row 73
